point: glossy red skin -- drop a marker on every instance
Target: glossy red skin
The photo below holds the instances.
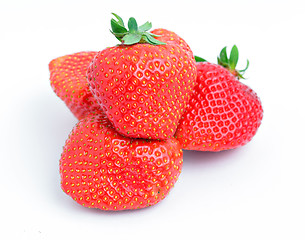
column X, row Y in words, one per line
column 100, row 168
column 68, row 80
column 172, row 38
column 143, row 89
column 222, row 114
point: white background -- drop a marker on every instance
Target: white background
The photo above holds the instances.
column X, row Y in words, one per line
column 254, row 192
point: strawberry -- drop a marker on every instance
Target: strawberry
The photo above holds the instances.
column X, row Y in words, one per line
column 68, row 80
column 143, row 85
column 223, row 112
column 102, row 169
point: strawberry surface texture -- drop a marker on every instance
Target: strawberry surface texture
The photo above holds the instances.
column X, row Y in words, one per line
column 102, row 169
column 144, row 84
column 144, row 89
column 68, row 80
column 170, row 37
column 222, row 114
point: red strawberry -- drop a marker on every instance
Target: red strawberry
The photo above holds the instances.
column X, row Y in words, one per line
column 143, row 88
column 223, row 113
column 172, row 38
column 99, row 168
column 68, row 80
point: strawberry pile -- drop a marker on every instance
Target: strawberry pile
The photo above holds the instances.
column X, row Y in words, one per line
column 139, row 104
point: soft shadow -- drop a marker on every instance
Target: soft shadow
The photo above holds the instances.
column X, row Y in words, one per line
column 73, row 206
column 96, row 211
column 46, row 124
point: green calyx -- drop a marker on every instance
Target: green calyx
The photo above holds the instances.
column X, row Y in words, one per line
column 228, row 62
column 134, row 34
column 231, row 61
column 199, row 59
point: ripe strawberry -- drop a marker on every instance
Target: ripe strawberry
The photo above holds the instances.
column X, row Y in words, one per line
column 68, row 80
column 223, row 113
column 143, row 88
column 99, row 168
column 172, row 38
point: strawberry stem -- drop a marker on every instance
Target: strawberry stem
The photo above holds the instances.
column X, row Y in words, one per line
column 134, row 34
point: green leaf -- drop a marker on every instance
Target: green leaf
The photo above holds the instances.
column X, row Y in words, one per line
column 231, row 63
column 240, row 76
column 131, row 38
column 118, row 36
column 245, row 67
column 132, row 25
column 120, row 20
column 199, row 59
column 154, row 35
column 222, row 63
column 134, row 34
column 116, row 27
column 233, row 57
column 145, row 27
column 223, row 55
column 152, row 40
